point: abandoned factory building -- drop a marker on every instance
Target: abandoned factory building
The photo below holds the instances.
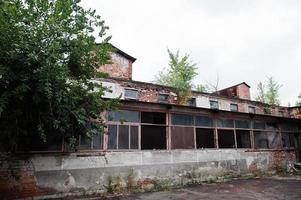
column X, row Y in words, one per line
column 152, row 136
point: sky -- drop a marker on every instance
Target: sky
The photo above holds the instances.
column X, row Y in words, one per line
column 235, row 40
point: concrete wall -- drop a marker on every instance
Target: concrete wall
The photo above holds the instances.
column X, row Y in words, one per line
column 49, row 174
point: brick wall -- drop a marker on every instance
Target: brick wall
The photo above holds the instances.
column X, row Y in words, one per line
column 243, row 91
column 121, row 67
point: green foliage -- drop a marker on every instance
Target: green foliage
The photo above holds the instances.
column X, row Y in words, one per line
column 48, row 57
column 179, row 75
column 202, row 88
column 269, row 92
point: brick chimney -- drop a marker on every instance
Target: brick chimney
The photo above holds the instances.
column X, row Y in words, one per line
column 241, row 91
column 121, row 66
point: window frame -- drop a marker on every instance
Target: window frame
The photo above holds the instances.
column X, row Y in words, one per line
column 231, row 106
column 131, row 98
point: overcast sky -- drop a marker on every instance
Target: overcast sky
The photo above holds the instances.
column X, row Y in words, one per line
column 240, row 40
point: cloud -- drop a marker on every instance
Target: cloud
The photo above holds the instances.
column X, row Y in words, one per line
column 241, row 40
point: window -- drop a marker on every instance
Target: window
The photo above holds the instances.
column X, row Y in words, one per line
column 153, row 137
column 243, row 139
column 163, row 98
column 226, row 139
column 130, row 94
column 288, row 140
column 179, row 119
column 213, row 104
column 234, row 107
column 182, row 137
column 259, row 125
column 225, row 123
column 192, row 102
column 252, row 109
column 266, row 140
column 153, row 118
column 87, row 143
column 203, row 121
column 204, row 138
column 242, row 124
column 124, row 116
column 123, row 137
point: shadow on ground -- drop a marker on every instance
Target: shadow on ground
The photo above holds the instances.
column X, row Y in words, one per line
column 251, row 189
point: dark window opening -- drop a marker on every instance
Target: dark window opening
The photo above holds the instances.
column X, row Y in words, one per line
column 204, row 138
column 182, row 137
column 35, row 143
column 134, row 137
column 242, row 124
column 178, row 119
column 233, row 107
column 130, row 94
column 225, row 123
column 112, row 133
column 153, row 137
column 288, row 140
column 123, row 137
column 203, row 121
column 243, row 139
column 192, row 102
column 124, row 116
column 252, row 110
column 163, row 98
column 259, row 125
column 214, row 104
column 226, row 139
column 153, row 118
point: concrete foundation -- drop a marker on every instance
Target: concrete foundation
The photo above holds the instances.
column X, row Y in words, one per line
column 49, row 174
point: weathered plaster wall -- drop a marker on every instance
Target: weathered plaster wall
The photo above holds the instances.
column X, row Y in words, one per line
column 42, row 175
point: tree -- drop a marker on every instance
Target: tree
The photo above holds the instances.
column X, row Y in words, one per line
column 179, row 75
column 269, row 92
column 201, row 88
column 48, row 56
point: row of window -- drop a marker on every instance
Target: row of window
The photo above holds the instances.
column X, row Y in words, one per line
column 149, row 130
column 164, row 98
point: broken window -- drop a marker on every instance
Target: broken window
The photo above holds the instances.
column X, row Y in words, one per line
column 182, row 137
column 242, row 124
column 288, row 139
column 192, row 102
column 226, row 138
column 252, row 109
column 266, row 140
column 281, row 113
column 179, row 119
column 124, row 116
column 153, row 137
column 233, row 107
column 122, row 137
column 259, row 125
column 213, row 104
column 163, row 98
column 204, row 138
column 203, row 121
column 130, row 94
column 243, row 139
column 225, row 123
column 289, row 127
column 153, row 118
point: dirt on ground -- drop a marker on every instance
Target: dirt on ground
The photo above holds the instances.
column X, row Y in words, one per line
column 250, row 189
